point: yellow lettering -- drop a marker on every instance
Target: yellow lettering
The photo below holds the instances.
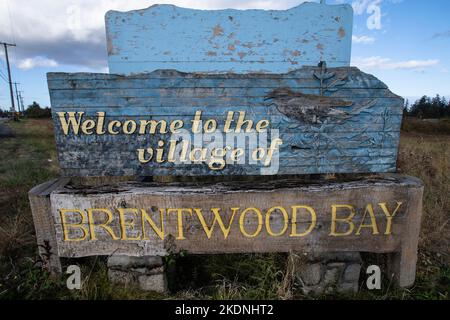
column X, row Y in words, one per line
column 111, row 125
column 88, row 126
column 373, row 221
column 285, row 220
column 104, row 225
column 389, row 216
column 218, row 219
column 241, row 122
column 217, row 161
column 160, row 152
column 172, row 149
column 228, row 122
column 273, row 146
column 196, row 122
column 130, row 223
column 100, row 123
column 262, row 125
column 129, row 127
column 153, row 126
column 141, row 155
column 347, row 220
column 242, row 222
column 294, row 221
column 210, row 126
column 202, row 152
column 236, row 153
column 66, row 225
column 159, row 231
column 179, row 213
column 72, row 121
column 176, row 125
column 258, row 154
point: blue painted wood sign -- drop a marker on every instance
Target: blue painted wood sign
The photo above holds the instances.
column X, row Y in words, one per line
column 256, row 98
column 308, row 121
column 227, row 93
column 241, row 41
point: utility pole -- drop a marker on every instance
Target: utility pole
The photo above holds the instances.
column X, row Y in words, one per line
column 21, row 102
column 6, row 45
column 17, row 96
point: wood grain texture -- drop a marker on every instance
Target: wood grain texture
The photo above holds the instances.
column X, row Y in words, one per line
column 330, row 120
column 402, row 265
column 39, row 198
column 320, row 195
column 169, row 37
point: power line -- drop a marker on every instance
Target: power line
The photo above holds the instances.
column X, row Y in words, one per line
column 3, row 64
column 2, row 74
column 3, row 77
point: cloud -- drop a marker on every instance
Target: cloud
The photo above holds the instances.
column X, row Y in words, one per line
column 72, row 32
column 363, row 39
column 30, row 63
column 445, row 34
column 377, row 62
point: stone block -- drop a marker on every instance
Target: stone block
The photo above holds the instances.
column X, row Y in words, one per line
column 311, row 274
column 348, row 287
column 128, row 262
column 333, row 274
column 335, row 256
column 329, row 272
column 351, row 273
column 147, row 273
column 121, row 277
column 155, row 282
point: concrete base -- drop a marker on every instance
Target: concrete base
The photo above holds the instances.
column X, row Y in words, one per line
column 147, row 273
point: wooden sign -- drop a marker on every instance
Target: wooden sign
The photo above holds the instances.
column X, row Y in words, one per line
column 308, row 121
column 376, row 214
column 256, row 93
column 169, row 37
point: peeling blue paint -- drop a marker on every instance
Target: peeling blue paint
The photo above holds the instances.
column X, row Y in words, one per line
column 271, row 41
column 361, row 135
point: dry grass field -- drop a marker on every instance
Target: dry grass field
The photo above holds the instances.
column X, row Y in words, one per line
column 29, row 158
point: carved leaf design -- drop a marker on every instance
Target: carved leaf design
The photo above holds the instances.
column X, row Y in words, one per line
column 324, row 75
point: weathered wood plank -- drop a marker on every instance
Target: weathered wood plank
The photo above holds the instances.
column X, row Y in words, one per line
column 209, row 106
column 383, row 122
column 177, row 92
column 169, row 37
column 402, row 265
column 352, row 78
column 388, row 195
column 342, row 124
column 199, row 170
column 39, row 198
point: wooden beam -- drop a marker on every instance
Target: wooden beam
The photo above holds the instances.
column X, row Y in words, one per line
column 81, row 235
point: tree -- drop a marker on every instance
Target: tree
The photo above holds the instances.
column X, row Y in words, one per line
column 4, row 113
column 406, row 107
column 35, row 111
column 426, row 107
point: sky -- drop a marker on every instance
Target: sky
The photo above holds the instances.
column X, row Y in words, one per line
column 405, row 43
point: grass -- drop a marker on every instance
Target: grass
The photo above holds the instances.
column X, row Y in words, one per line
column 29, row 158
